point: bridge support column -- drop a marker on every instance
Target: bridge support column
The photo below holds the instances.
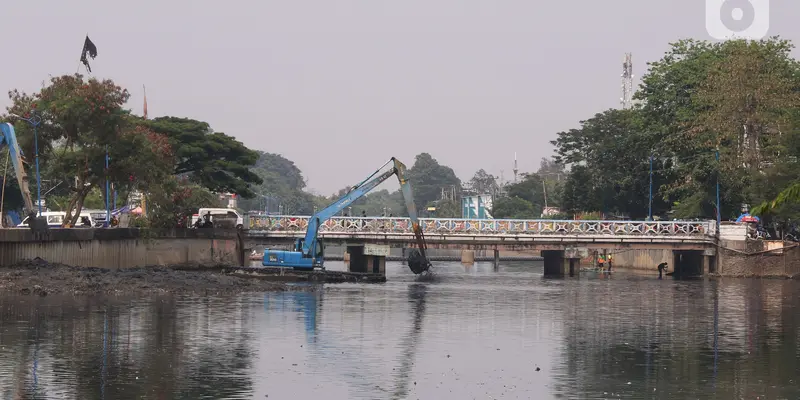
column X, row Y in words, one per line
column 553, row 262
column 468, row 256
column 367, row 258
column 709, row 261
column 561, row 263
column 496, row 259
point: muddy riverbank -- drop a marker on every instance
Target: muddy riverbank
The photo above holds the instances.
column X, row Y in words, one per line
column 38, row 277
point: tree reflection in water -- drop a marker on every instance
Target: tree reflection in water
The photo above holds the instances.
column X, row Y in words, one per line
column 87, row 348
column 713, row 339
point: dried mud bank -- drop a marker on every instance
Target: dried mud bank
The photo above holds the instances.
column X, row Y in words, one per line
column 38, row 277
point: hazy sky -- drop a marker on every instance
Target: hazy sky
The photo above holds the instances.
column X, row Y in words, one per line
column 340, row 86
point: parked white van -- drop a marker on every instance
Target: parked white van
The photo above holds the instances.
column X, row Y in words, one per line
column 56, row 218
column 220, row 213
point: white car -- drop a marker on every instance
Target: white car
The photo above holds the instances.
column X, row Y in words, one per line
column 56, row 218
column 222, row 213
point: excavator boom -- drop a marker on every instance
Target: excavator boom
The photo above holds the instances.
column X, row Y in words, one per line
column 308, row 252
column 9, row 138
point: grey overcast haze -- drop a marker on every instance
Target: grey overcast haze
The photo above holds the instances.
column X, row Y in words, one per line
column 339, row 87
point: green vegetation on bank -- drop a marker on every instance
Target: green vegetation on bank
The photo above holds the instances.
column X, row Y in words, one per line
column 738, row 99
column 705, row 113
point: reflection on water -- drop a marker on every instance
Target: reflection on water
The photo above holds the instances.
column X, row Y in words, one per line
column 471, row 333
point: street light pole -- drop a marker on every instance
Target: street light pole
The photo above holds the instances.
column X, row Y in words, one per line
column 650, row 199
column 719, row 211
column 108, row 202
column 35, row 120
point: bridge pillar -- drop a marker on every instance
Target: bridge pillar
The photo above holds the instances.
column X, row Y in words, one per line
column 367, row 258
column 553, row 262
column 468, row 256
column 496, row 259
column 561, row 263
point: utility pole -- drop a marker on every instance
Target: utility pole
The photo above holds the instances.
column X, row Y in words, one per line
column 719, row 211
column 544, row 190
column 650, row 202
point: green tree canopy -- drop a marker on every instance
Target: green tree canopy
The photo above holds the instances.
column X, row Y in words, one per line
column 737, row 99
column 280, row 188
column 428, row 178
column 83, row 121
column 211, row 159
column 513, row 207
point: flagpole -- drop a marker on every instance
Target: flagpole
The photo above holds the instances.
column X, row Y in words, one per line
column 108, row 210
column 144, row 106
column 82, row 53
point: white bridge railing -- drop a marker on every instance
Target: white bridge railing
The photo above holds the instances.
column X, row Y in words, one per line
column 485, row 227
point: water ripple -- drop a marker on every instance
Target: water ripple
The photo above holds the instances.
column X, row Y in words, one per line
column 471, row 332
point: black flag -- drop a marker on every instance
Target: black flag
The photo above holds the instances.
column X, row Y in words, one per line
column 88, row 48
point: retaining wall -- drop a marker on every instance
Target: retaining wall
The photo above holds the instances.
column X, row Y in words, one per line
column 760, row 259
column 121, row 247
column 641, row 258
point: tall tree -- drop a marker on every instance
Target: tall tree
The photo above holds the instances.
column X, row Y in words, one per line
column 428, row 178
column 483, row 183
column 280, row 188
column 81, row 122
column 730, row 97
column 615, row 154
column 212, row 159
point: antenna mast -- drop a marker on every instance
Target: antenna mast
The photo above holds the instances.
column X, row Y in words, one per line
column 627, row 82
column 515, row 167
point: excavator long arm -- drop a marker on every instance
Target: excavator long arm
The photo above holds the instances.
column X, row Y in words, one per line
column 311, row 241
column 9, row 138
column 418, row 262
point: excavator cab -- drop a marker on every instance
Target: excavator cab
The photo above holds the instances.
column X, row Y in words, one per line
column 294, row 258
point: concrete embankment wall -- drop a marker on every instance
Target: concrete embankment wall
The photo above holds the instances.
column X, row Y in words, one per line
column 120, row 247
column 758, row 258
column 644, row 259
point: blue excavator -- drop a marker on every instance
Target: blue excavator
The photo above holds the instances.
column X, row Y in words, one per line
column 9, row 138
column 308, row 252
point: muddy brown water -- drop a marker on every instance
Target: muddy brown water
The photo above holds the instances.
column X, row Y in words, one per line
column 471, row 333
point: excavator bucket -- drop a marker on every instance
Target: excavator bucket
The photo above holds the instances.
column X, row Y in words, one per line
column 418, row 262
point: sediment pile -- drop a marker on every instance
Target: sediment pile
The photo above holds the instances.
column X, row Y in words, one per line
column 38, row 277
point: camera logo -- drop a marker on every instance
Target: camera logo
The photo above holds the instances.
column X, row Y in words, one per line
column 737, row 19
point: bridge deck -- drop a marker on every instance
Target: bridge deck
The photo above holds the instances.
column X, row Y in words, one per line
column 489, row 231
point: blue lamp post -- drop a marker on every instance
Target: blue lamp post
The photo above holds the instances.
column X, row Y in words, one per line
column 108, row 203
column 35, row 121
column 719, row 211
column 650, row 197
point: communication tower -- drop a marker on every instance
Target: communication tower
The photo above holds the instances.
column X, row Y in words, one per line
column 627, row 82
column 515, row 167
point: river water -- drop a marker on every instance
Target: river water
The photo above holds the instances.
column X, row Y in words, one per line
column 472, row 333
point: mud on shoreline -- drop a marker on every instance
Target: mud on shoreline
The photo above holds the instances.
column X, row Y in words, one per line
column 38, row 277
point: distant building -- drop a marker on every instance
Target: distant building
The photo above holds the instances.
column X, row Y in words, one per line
column 228, row 200
column 476, row 207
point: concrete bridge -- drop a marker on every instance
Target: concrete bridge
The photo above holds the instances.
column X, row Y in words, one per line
column 562, row 242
